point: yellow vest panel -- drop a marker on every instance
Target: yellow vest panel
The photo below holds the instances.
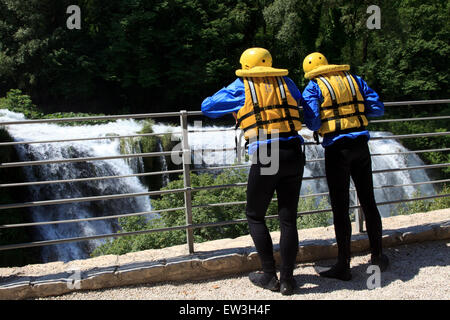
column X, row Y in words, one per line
column 268, row 106
column 343, row 104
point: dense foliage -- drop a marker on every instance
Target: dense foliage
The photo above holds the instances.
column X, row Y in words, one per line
column 135, row 55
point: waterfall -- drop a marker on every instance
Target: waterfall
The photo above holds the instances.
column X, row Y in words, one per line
column 164, row 166
column 379, row 179
column 215, row 138
column 219, row 138
column 132, row 146
column 94, row 148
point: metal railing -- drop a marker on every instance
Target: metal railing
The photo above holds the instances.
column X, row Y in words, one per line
column 186, row 169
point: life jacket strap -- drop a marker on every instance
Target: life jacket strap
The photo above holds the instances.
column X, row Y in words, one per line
column 284, row 100
column 334, row 105
column 256, row 107
column 249, row 114
column 355, row 98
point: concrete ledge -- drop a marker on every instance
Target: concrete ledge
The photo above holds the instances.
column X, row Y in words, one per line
column 212, row 259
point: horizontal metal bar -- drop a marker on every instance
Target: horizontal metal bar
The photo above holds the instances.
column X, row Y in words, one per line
column 211, row 130
column 77, row 239
column 409, row 152
column 231, row 185
column 13, row 143
column 222, row 167
column 95, row 118
column 87, row 199
column 194, row 226
column 429, row 166
column 195, row 151
column 416, row 102
column 413, row 199
column 412, row 135
column 177, row 114
column 71, row 160
column 207, row 205
column 410, row 119
column 409, row 184
column 33, row 224
column 34, row 183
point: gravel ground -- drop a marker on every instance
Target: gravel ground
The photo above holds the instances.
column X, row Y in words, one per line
column 417, row 271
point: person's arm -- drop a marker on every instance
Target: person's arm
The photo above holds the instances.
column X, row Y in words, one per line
column 373, row 106
column 312, row 99
column 227, row 100
column 293, row 89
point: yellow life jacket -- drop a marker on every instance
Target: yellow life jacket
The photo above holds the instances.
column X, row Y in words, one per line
column 342, row 109
column 268, row 106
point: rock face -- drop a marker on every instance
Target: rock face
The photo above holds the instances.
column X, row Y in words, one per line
column 212, row 259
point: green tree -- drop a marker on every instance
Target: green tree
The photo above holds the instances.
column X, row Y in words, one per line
column 407, row 57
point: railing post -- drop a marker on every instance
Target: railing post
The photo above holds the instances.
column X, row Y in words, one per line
column 187, row 179
column 359, row 216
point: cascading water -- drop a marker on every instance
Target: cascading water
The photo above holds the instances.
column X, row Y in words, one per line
column 214, row 138
column 94, row 148
column 164, row 166
column 391, row 161
column 219, row 138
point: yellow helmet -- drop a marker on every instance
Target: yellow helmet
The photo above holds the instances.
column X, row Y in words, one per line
column 314, row 60
column 255, row 57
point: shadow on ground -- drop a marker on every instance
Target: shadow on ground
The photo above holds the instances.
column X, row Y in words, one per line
column 405, row 264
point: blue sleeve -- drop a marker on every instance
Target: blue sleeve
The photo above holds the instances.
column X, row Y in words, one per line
column 373, row 106
column 295, row 93
column 227, row 100
column 313, row 98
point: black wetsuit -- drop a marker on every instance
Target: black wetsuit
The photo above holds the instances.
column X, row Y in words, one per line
column 347, row 158
column 287, row 183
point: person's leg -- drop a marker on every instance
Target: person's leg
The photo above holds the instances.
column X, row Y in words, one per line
column 361, row 173
column 337, row 168
column 260, row 190
column 288, row 193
